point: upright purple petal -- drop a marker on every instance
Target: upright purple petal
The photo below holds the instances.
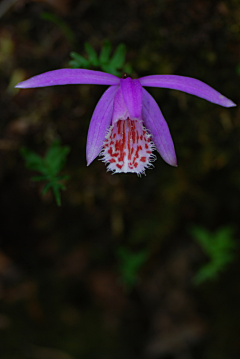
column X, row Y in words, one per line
column 100, row 123
column 120, row 111
column 69, row 76
column 189, row 85
column 132, row 95
column 158, row 128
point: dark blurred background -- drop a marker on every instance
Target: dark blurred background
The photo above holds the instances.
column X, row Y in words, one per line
column 71, row 282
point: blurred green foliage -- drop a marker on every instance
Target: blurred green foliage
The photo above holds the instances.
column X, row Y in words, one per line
column 61, row 24
column 49, row 167
column 130, row 264
column 218, row 247
column 238, row 69
column 114, row 65
column 58, row 271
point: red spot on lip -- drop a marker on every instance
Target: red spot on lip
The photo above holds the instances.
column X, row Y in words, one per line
column 119, row 127
column 127, row 147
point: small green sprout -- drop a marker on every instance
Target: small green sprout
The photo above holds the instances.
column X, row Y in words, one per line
column 218, row 247
column 114, row 65
column 129, row 265
column 49, row 167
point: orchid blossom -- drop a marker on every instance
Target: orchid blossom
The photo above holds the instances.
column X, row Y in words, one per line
column 127, row 124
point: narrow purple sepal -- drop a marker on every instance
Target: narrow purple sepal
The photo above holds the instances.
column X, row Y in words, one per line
column 158, row 128
column 188, row 85
column 69, row 76
column 132, row 95
column 100, row 123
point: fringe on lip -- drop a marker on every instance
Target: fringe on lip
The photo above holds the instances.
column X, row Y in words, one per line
column 128, row 148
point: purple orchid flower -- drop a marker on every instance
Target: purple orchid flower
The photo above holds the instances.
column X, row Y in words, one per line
column 127, row 124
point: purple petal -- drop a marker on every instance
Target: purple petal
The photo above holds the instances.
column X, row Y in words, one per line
column 120, row 111
column 189, row 85
column 132, row 95
column 69, row 76
column 100, row 123
column 157, row 126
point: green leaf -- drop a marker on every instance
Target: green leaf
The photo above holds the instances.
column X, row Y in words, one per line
column 79, row 61
column 219, row 248
column 56, row 187
column 127, row 68
column 74, row 64
column 107, row 64
column 46, row 188
column 33, row 161
column 118, row 58
column 49, row 167
column 63, row 177
column 130, row 264
column 39, row 178
column 105, row 52
column 57, row 195
column 92, row 54
column 111, row 70
column 207, row 272
column 55, row 158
